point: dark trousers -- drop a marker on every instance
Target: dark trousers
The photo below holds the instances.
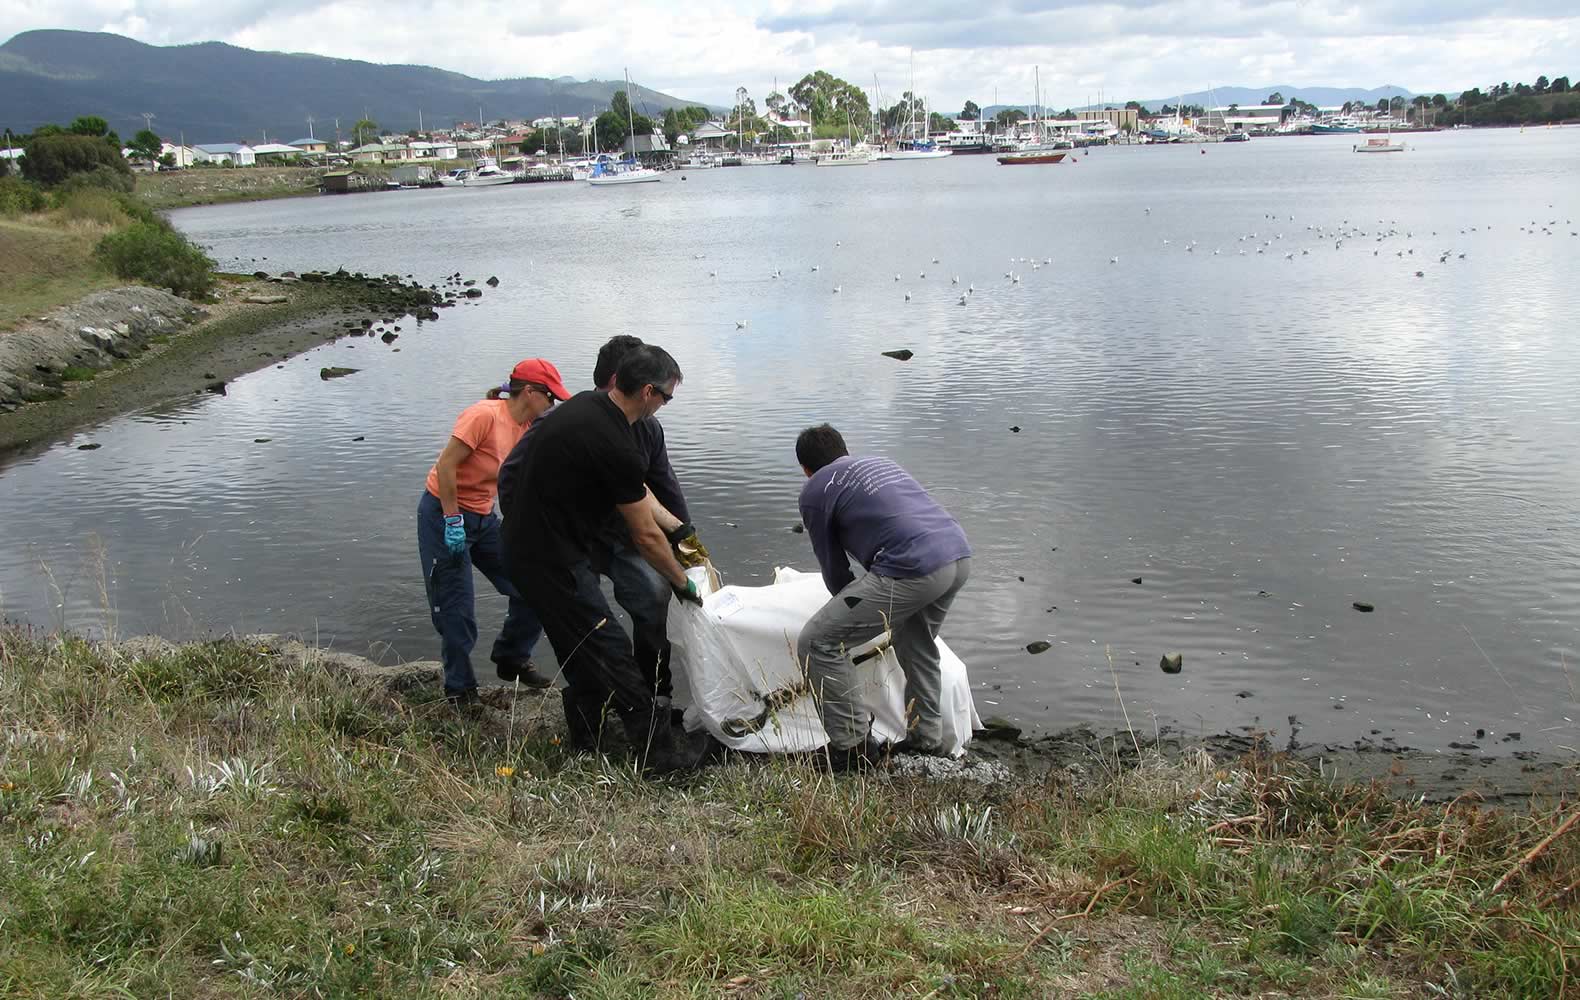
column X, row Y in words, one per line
column 448, row 581
column 644, row 594
column 593, row 650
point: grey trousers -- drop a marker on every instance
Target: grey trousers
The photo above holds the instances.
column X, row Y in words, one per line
column 913, row 611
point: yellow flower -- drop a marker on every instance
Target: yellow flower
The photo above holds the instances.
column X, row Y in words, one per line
column 6, row 786
column 505, row 771
column 351, row 949
column 554, row 740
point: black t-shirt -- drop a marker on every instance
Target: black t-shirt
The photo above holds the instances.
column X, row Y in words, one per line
column 571, row 472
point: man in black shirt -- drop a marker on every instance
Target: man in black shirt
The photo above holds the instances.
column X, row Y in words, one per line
column 573, row 473
column 638, row 588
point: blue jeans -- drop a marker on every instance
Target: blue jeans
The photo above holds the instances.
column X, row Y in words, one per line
column 644, row 594
column 448, row 582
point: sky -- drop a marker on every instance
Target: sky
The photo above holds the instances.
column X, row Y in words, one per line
column 705, row 49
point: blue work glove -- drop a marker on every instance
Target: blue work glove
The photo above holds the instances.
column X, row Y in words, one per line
column 455, row 534
column 689, row 593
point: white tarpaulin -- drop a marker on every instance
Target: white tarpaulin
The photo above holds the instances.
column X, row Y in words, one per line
column 736, row 674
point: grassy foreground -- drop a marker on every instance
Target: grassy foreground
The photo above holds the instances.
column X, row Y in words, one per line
column 244, row 819
column 218, row 185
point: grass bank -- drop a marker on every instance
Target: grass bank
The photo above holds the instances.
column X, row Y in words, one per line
column 218, row 185
column 46, row 261
column 244, row 818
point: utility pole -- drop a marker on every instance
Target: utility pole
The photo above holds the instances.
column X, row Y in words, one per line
column 148, row 121
column 310, row 126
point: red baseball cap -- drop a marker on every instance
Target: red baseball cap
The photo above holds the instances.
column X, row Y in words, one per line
column 541, row 372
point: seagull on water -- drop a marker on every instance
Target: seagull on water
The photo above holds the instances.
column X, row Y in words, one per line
column 836, row 289
column 814, row 267
column 740, row 324
column 1113, row 260
column 955, row 280
column 962, row 300
column 907, row 296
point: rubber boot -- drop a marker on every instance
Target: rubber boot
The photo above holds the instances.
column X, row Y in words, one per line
column 658, row 747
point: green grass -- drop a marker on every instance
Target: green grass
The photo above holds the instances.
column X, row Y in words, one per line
column 45, row 263
column 246, row 819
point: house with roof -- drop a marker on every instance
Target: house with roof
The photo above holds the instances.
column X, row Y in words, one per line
column 800, row 131
column 181, row 156
column 649, row 149
column 440, row 150
column 237, row 154
column 711, row 133
column 310, row 145
column 275, row 152
column 379, row 152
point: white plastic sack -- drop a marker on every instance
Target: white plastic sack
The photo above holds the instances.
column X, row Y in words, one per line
column 736, row 674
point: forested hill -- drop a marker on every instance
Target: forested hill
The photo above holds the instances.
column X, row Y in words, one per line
column 215, row 92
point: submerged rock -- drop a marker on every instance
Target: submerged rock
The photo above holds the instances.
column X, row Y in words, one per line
column 493, row 282
column 1363, row 606
column 1040, row 646
column 1172, row 663
column 900, row 355
column 328, row 373
column 996, row 727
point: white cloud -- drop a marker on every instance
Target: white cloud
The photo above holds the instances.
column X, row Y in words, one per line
column 705, row 49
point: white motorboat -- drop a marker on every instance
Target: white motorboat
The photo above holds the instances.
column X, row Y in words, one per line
column 611, row 171
column 487, row 174
column 854, row 157
column 925, row 150
column 454, row 178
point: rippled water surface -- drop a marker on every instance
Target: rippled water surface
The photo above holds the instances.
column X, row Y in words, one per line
column 1261, row 439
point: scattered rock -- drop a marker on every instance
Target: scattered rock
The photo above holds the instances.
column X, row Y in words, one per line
column 1363, row 606
column 389, row 338
column 474, row 293
column 1040, row 646
column 359, row 437
column 260, row 440
column 261, row 275
column 1454, row 745
column 1245, row 694
column 217, row 388
column 89, row 447
column 266, row 300
column 328, row 373
column 798, row 528
column 1172, row 663
column 900, row 355
column 1135, row 579
column 492, row 282
column 1014, row 428
column 996, row 727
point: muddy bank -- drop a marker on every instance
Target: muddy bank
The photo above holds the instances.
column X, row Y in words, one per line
column 1082, row 756
column 1508, row 776
column 127, row 348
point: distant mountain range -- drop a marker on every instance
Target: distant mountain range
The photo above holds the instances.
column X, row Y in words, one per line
column 1322, row 97
column 213, row 92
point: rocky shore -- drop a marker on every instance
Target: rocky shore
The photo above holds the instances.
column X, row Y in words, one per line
column 127, row 348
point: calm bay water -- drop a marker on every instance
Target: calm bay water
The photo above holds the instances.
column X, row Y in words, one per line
column 1261, row 440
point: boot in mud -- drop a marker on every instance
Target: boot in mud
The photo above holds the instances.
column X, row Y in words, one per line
column 659, row 747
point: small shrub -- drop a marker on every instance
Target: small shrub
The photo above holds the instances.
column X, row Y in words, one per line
column 87, row 204
column 77, row 373
column 157, row 255
column 100, row 178
column 18, row 196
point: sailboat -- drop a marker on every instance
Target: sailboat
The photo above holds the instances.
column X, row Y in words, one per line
column 1385, row 144
column 1039, row 150
column 913, row 148
column 607, row 170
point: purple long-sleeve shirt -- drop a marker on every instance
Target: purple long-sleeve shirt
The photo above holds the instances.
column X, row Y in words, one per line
column 873, row 509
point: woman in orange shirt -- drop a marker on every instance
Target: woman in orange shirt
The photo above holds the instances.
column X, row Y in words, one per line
column 458, row 529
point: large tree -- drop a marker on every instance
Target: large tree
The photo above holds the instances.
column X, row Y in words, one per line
column 50, row 159
column 366, row 130
column 1276, row 97
column 970, row 112
column 828, row 100
column 145, row 145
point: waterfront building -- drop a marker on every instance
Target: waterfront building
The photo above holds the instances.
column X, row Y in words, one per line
column 237, row 154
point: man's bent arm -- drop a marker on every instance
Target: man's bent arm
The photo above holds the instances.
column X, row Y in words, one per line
column 650, row 541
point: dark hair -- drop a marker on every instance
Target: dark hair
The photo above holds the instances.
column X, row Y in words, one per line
column 645, row 365
column 817, row 446
column 609, row 356
column 514, row 387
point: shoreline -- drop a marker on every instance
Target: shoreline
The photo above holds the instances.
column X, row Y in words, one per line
column 234, row 337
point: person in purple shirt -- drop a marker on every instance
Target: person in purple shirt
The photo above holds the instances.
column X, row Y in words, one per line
column 917, row 559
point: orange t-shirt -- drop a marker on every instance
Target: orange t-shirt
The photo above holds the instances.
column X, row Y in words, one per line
column 486, row 428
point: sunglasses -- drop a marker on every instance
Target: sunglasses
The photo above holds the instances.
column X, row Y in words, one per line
column 667, row 396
